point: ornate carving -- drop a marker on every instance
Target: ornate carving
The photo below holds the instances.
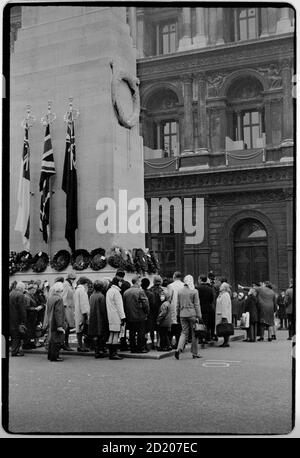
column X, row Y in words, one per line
column 273, row 73
column 215, row 82
column 205, row 181
column 246, row 198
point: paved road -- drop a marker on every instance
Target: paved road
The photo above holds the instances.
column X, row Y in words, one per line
column 244, row 389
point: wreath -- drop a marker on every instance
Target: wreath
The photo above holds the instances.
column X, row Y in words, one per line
column 23, row 260
column 98, row 259
column 115, row 258
column 155, row 260
column 151, row 266
column 80, row 259
column 140, row 260
column 132, row 83
column 13, row 266
column 127, row 263
column 60, row 260
column 40, row 262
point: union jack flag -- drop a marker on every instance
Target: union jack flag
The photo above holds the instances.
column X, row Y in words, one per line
column 47, row 170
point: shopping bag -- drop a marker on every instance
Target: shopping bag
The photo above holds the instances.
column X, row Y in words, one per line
column 245, row 320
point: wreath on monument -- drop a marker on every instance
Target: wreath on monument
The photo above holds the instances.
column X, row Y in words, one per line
column 98, row 259
column 23, row 260
column 60, row 260
column 132, row 82
column 13, row 266
column 155, row 260
column 151, row 265
column 40, row 262
column 80, row 259
column 115, row 258
column 140, row 260
column 128, row 263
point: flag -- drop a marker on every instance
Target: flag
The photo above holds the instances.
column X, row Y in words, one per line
column 23, row 217
column 47, row 170
column 69, row 185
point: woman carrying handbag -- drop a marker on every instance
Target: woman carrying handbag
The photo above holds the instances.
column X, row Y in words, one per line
column 223, row 314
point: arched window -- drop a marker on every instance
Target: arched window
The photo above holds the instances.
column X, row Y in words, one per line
column 246, row 112
column 250, row 241
column 161, row 129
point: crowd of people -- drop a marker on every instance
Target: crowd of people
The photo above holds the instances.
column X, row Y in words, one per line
column 105, row 313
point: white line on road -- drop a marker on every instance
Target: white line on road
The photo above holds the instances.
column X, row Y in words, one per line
column 221, row 360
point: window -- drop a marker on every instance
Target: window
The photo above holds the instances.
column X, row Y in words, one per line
column 248, row 126
column 166, row 41
column 247, row 23
column 166, row 137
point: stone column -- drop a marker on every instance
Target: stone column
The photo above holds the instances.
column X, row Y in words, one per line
column 185, row 41
column 287, row 101
column 213, row 25
column 188, row 140
column 202, row 115
column 264, row 22
column 220, row 27
column 200, row 39
column 289, row 236
column 140, row 34
column 239, row 125
column 268, row 125
column 284, row 24
column 132, row 24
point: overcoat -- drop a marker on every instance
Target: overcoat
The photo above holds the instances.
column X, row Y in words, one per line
column 17, row 310
column 98, row 322
column 266, row 305
column 82, row 306
column 55, row 317
column 114, row 307
column 223, row 307
column 251, row 306
column 68, row 300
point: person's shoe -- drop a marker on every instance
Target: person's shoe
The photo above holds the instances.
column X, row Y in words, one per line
column 289, row 338
column 196, row 356
column 270, row 339
column 67, row 348
column 177, row 354
column 143, row 351
column 20, row 353
column 57, row 359
column 273, row 337
column 261, row 339
column 226, row 345
column 82, row 350
column 99, row 355
column 115, row 357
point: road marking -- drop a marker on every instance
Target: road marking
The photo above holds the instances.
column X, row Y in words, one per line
column 221, row 360
column 216, row 364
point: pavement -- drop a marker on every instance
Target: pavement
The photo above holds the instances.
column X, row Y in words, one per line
column 152, row 354
column 245, row 389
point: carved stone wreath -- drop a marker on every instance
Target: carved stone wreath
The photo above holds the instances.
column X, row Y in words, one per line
column 132, row 83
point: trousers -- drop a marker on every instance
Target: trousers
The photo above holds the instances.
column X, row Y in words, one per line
column 187, row 327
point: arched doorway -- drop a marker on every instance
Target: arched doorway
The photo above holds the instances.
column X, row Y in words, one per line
column 251, row 264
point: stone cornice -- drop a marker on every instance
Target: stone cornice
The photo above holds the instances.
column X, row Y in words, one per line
column 229, row 56
column 220, row 181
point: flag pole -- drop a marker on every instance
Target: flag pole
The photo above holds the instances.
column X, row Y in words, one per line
column 49, row 118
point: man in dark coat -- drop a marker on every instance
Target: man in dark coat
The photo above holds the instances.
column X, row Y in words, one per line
column 32, row 310
column 136, row 308
column 289, row 294
column 56, row 321
column 17, row 318
column 151, row 325
column 206, row 303
column 98, row 321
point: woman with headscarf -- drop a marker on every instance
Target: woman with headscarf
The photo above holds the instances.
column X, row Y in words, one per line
column 251, row 306
column 223, row 309
column 188, row 309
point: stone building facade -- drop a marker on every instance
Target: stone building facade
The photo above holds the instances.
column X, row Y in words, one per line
column 217, row 122
column 217, row 116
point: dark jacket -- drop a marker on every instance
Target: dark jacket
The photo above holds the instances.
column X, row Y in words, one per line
column 136, row 304
column 251, row 306
column 206, row 297
column 56, row 318
column 164, row 319
column 17, row 309
column 289, row 301
column 98, row 321
column 156, row 290
column 150, row 297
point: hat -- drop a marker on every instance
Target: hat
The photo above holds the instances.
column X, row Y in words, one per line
column 120, row 273
column 71, row 275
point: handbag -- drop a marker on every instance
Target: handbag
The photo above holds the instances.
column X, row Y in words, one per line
column 200, row 330
column 224, row 329
column 245, row 320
